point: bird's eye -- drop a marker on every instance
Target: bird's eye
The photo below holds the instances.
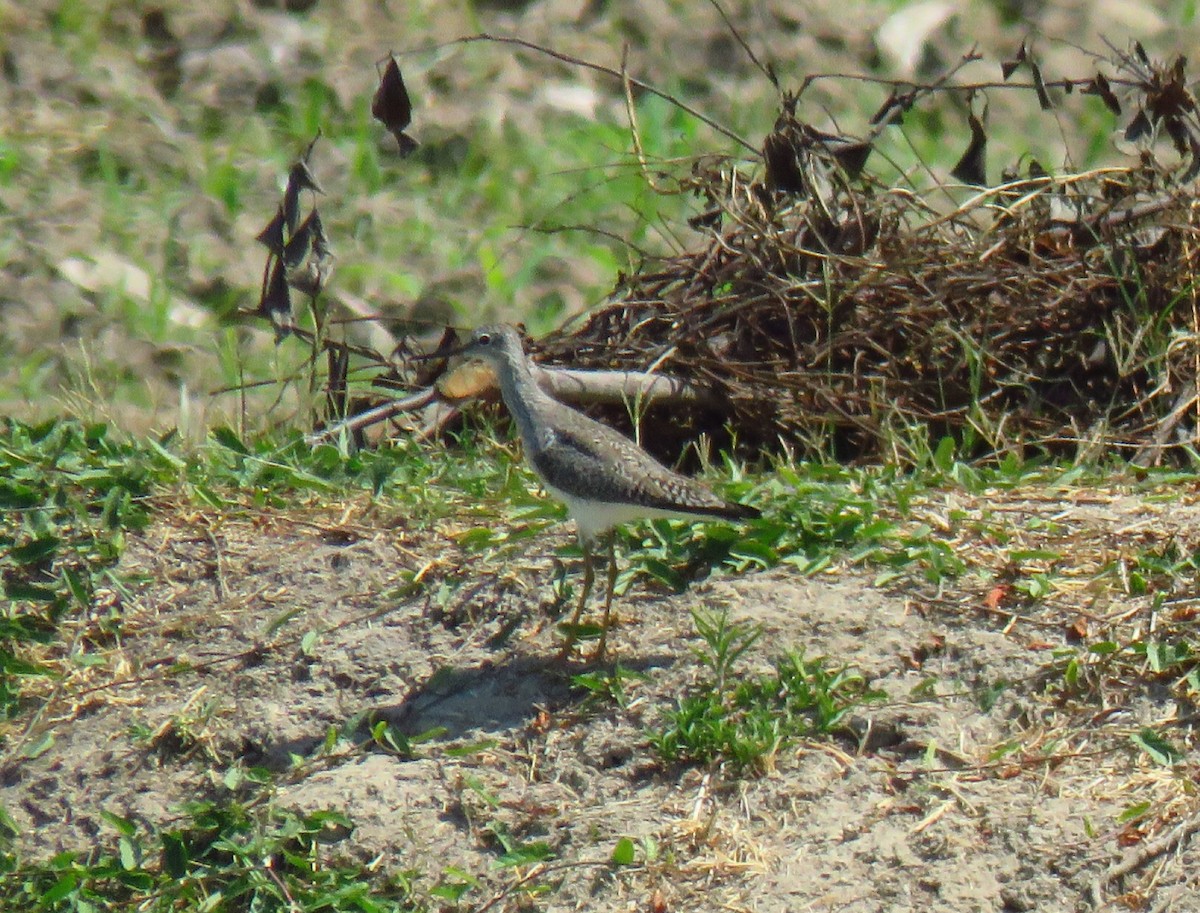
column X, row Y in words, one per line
column 484, row 339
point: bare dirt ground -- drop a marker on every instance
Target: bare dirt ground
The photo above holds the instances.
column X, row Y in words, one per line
column 915, row 807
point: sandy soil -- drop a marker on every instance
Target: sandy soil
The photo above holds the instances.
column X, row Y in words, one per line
column 913, row 807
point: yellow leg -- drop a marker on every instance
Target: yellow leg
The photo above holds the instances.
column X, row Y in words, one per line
column 589, row 578
column 608, row 596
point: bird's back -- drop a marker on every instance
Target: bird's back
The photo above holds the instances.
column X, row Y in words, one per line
column 603, row 476
column 589, row 461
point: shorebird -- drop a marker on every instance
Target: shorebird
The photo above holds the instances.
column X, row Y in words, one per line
column 603, row 477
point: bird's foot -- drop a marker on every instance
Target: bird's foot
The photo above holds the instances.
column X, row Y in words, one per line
column 564, row 655
column 574, row 633
column 600, row 655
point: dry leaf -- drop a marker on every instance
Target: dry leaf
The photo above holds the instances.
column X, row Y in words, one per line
column 972, row 167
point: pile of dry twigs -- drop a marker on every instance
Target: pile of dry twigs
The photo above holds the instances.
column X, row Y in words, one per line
column 832, row 312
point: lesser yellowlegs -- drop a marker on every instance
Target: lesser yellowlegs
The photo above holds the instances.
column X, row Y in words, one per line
column 603, row 477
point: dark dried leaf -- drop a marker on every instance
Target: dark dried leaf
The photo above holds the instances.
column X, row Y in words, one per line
column 855, row 235
column 272, row 236
column 783, row 163
column 302, row 177
column 311, row 278
column 339, row 371
column 299, row 178
column 972, row 167
column 1039, row 86
column 1036, row 170
column 851, row 157
column 320, row 241
column 291, row 206
column 391, row 105
column 1008, row 67
column 1141, row 53
column 1169, row 102
column 309, row 237
column 299, row 244
column 849, row 154
column 1180, row 134
column 156, row 29
column 1099, row 86
column 408, row 145
column 276, row 301
column 1138, row 128
column 1172, row 98
column 710, row 218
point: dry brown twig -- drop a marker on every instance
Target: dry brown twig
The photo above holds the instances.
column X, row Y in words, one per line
column 1147, row 852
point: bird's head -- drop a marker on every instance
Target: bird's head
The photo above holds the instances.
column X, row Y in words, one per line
column 495, row 344
column 492, row 356
column 497, row 347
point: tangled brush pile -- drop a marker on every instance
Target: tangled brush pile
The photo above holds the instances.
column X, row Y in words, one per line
column 835, row 313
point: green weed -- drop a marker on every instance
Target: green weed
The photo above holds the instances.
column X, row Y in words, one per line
column 231, row 856
column 743, row 725
column 68, row 494
column 609, row 687
column 814, row 514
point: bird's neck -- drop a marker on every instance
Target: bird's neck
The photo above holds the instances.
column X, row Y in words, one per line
column 523, row 397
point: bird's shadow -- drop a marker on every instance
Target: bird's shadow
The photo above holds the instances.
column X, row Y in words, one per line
column 499, row 695
column 458, row 701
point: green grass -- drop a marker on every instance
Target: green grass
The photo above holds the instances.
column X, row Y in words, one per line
column 68, row 494
column 492, row 220
column 218, row 856
column 743, row 721
column 71, row 491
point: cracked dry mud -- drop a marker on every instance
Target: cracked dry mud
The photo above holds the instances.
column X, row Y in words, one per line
column 912, row 813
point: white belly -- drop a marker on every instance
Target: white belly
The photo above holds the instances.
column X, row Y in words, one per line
column 596, row 517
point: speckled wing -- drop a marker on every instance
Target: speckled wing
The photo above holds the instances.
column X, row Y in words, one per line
column 591, row 461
